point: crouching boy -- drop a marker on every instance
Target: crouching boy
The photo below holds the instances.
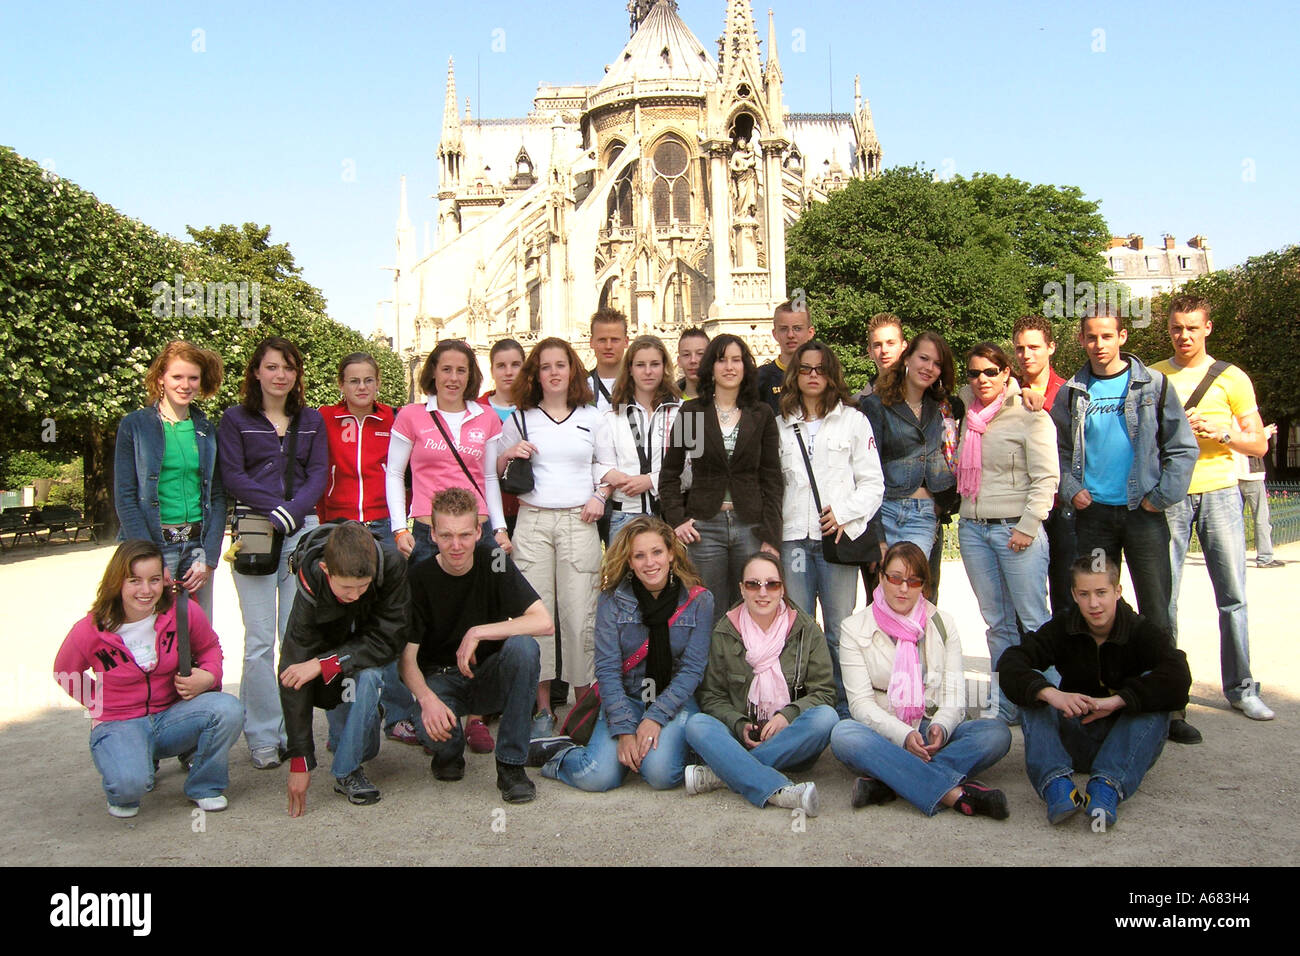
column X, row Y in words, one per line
column 1120, row 677
column 349, row 620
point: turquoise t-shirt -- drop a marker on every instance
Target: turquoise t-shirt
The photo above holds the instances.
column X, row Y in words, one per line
column 1108, row 451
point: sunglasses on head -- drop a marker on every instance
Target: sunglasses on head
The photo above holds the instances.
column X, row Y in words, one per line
column 753, row 586
column 898, row 580
column 974, row 373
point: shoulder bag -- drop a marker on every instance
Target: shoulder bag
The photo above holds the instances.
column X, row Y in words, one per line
column 517, row 479
column 259, row 541
column 853, row 551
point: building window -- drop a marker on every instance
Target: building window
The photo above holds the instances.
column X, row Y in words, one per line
column 618, row 212
column 1184, row 262
column 1153, row 263
column 671, row 193
column 1117, row 264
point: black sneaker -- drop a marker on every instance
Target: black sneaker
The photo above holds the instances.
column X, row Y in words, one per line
column 450, row 771
column 186, row 759
column 868, row 791
column 977, row 800
column 357, row 788
column 1181, row 732
column 541, row 750
column 514, row 784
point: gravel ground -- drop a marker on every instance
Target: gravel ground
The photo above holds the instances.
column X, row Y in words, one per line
column 1228, row 800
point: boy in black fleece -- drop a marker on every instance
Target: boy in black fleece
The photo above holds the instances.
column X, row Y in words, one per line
column 349, row 620
column 1120, row 677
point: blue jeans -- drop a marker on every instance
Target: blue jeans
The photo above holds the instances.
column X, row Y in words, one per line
column 755, row 774
column 265, row 601
column 1143, row 536
column 1120, row 748
column 1217, row 518
column 178, row 556
column 809, row 577
column 504, row 683
column 1255, row 494
column 354, row 725
column 619, row 518
column 124, row 751
column 1008, row 585
column 726, row 543
column 595, row 767
column 974, row 746
column 910, row 519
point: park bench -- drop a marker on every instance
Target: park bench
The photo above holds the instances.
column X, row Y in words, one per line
column 67, row 521
column 16, row 524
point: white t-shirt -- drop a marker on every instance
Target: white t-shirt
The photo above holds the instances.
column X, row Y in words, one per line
column 565, row 470
column 141, row 640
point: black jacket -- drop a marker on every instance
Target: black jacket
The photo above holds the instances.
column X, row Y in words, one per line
column 752, row 473
column 771, row 380
column 369, row 632
column 1138, row 662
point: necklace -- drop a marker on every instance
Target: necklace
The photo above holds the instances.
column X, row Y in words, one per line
column 725, row 415
column 916, row 409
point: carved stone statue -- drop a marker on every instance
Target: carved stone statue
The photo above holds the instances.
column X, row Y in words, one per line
column 744, row 180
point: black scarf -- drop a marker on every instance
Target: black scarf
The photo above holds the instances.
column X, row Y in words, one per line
column 655, row 612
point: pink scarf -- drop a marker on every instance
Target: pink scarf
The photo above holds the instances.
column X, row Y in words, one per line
column 768, row 691
column 906, row 689
column 972, row 448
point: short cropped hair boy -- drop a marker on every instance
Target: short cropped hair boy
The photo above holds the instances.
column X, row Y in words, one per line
column 1120, row 677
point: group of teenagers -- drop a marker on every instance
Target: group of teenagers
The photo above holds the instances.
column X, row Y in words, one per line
column 663, row 559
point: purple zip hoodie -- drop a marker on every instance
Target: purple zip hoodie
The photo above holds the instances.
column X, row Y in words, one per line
column 252, row 459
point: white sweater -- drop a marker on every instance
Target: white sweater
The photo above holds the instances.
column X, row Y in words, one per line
column 867, row 662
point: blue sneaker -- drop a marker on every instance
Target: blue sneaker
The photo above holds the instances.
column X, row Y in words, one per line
column 1063, row 800
column 1103, row 798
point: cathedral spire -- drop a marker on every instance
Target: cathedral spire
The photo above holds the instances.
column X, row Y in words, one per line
column 451, row 139
column 638, row 10
column 738, row 45
column 773, row 72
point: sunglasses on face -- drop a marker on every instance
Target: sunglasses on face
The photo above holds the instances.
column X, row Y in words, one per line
column 753, row 586
column 818, row 370
column 974, row 373
column 898, row 580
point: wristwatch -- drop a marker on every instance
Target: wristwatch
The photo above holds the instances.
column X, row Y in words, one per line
column 1225, row 438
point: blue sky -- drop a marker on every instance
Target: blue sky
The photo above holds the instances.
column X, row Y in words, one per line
column 1178, row 117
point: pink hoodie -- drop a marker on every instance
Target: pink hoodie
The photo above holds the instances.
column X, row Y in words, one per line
column 119, row 686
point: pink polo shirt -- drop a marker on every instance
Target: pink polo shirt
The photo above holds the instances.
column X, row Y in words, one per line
column 433, row 466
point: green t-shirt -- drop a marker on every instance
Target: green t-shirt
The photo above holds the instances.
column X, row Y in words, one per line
column 180, row 490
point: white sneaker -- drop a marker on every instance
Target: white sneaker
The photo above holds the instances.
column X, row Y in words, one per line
column 798, row 796
column 264, row 758
column 212, row 804
column 700, row 779
column 1253, row 707
column 123, row 813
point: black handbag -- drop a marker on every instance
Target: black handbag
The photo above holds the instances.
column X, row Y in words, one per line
column 864, row 549
column 517, row 479
column 260, row 542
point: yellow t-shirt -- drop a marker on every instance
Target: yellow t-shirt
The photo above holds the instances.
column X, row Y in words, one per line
column 1230, row 398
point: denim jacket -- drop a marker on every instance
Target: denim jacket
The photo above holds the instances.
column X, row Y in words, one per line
column 1164, row 448
column 620, row 632
column 911, row 452
column 137, row 464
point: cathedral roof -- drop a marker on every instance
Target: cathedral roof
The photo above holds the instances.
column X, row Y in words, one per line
column 823, row 138
column 663, row 48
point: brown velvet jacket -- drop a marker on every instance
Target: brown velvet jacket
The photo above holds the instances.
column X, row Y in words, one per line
column 752, row 473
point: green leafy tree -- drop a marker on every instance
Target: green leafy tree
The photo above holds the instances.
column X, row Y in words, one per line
column 966, row 257
column 87, row 299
